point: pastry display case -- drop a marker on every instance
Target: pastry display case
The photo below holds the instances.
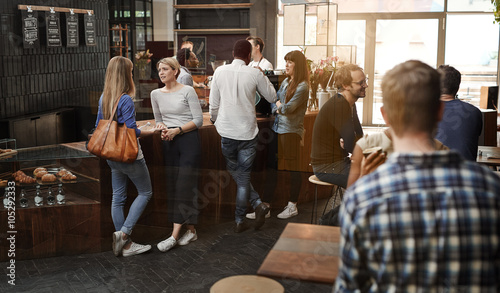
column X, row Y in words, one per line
column 55, row 197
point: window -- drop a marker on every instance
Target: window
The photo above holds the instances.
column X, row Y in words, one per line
column 387, row 32
column 391, row 6
column 472, row 48
column 397, row 41
column 353, row 32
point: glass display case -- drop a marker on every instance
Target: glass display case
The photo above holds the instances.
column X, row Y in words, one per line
column 50, row 213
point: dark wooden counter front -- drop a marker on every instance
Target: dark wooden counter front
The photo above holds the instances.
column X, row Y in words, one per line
column 84, row 224
column 216, row 189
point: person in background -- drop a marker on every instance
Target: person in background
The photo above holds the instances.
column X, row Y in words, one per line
column 362, row 165
column 178, row 114
column 425, row 220
column 258, row 60
column 186, row 58
column 188, row 45
column 289, row 130
column 232, row 109
column 337, row 127
column 462, row 122
column 119, row 88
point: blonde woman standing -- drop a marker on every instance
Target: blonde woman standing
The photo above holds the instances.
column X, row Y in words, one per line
column 119, row 86
column 178, row 114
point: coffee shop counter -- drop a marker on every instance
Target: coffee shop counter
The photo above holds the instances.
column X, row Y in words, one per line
column 216, row 187
column 84, row 224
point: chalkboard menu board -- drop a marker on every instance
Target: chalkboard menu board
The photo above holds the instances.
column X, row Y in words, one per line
column 31, row 37
column 90, row 30
column 53, row 25
column 72, row 30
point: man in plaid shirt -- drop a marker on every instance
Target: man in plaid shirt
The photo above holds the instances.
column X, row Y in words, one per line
column 426, row 220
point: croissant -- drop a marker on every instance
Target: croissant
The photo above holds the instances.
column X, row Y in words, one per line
column 17, row 173
column 48, row 178
column 3, row 183
column 27, row 180
column 19, row 177
column 69, row 176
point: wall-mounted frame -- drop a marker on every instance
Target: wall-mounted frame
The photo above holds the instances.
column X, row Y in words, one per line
column 199, row 48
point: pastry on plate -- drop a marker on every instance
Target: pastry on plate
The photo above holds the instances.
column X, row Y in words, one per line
column 26, row 179
column 62, row 172
column 38, row 170
column 68, row 176
column 40, row 174
column 49, row 178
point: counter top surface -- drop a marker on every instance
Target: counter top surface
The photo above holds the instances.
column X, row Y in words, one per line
column 207, row 122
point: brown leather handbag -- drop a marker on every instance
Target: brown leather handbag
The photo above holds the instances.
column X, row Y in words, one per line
column 113, row 141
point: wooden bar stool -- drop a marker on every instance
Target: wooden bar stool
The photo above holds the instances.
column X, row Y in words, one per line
column 247, row 283
column 336, row 190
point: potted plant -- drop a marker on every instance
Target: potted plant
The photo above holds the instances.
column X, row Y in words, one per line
column 496, row 12
column 142, row 61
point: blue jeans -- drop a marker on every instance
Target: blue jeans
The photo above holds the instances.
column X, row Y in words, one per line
column 335, row 173
column 240, row 155
column 139, row 175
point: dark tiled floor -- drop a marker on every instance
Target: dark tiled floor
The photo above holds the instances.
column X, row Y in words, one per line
column 218, row 253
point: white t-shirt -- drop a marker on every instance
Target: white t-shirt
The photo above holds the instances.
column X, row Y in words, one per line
column 264, row 64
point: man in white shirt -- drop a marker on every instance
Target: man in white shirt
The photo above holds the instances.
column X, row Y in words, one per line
column 257, row 59
column 232, row 107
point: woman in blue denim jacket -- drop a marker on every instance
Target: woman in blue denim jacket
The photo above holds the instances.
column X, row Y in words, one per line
column 119, row 85
column 289, row 125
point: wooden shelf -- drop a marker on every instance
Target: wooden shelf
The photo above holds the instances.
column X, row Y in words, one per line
column 214, row 31
column 213, row 6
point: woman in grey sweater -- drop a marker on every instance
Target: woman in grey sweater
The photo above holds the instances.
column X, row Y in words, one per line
column 178, row 113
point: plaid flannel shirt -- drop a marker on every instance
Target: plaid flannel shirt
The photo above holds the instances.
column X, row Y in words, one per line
column 421, row 223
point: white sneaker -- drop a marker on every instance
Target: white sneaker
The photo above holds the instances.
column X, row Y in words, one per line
column 135, row 248
column 251, row 216
column 289, row 211
column 187, row 237
column 118, row 242
column 167, row 244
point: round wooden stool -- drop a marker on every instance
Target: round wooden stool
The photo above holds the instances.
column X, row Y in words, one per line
column 313, row 179
column 247, row 283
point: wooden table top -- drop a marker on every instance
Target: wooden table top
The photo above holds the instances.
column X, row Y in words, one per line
column 488, row 155
column 305, row 252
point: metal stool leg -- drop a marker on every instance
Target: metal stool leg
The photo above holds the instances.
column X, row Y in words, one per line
column 336, row 191
column 315, row 204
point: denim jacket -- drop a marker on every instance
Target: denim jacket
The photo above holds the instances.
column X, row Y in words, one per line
column 290, row 116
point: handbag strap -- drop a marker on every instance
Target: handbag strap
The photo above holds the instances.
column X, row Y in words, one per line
column 111, row 120
column 114, row 111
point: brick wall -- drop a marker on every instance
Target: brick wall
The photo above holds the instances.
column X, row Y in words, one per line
column 44, row 79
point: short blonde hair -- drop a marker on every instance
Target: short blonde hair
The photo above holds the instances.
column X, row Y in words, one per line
column 343, row 75
column 170, row 61
column 411, row 92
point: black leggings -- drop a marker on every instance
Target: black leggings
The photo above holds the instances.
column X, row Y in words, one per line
column 182, row 158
